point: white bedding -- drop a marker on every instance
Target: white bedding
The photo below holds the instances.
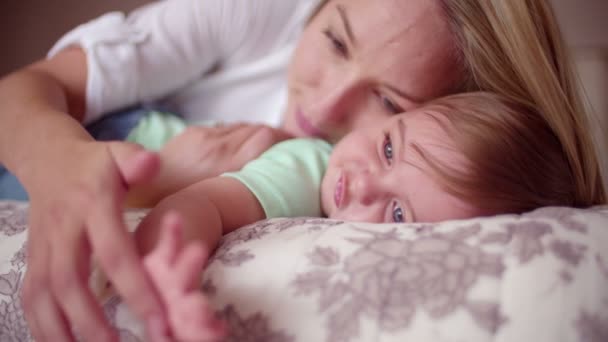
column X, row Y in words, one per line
column 542, row 276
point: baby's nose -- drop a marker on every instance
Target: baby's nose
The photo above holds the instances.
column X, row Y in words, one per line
column 365, row 187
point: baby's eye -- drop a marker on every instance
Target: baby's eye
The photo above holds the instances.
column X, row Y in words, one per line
column 397, row 213
column 387, row 148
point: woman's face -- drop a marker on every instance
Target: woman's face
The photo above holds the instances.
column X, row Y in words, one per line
column 360, row 60
column 376, row 175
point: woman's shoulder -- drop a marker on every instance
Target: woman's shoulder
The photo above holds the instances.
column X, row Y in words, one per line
column 268, row 14
column 246, row 30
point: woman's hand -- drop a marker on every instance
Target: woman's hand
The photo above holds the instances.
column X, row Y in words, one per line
column 76, row 208
column 203, row 152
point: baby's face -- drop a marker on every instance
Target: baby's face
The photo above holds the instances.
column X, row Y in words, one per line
column 376, row 175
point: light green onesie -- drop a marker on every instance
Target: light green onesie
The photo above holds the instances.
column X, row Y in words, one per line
column 155, row 128
column 286, row 179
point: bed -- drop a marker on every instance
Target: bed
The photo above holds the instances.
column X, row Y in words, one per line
column 540, row 276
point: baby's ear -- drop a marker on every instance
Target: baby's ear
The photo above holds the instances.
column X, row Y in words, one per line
column 136, row 164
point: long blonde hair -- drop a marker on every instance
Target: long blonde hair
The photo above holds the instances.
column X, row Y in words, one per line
column 514, row 48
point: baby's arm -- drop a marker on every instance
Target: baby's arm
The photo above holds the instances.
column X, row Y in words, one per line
column 209, row 209
column 201, row 213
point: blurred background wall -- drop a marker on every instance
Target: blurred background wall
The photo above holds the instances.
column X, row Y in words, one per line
column 28, row 28
column 584, row 24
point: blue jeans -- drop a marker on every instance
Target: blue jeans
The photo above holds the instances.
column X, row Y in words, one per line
column 116, row 126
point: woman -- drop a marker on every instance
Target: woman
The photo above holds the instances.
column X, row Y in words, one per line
column 349, row 68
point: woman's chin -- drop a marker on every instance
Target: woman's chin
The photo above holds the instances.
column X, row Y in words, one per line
column 292, row 129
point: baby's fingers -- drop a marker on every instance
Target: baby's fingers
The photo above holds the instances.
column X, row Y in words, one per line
column 170, row 240
column 189, row 266
column 198, row 323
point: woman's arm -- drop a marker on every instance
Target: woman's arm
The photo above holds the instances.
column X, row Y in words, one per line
column 76, row 187
column 199, row 153
column 34, row 102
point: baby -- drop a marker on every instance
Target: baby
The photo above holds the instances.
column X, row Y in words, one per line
column 457, row 157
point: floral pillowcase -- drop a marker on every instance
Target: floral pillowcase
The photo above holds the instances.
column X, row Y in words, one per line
column 541, row 276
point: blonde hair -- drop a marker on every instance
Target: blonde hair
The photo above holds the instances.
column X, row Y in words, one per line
column 514, row 48
column 514, row 161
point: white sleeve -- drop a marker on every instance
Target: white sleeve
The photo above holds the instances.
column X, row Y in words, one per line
column 161, row 47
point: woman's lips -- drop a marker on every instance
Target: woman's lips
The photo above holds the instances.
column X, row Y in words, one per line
column 339, row 191
column 307, row 127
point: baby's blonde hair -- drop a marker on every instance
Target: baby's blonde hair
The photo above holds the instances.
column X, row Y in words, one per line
column 514, row 162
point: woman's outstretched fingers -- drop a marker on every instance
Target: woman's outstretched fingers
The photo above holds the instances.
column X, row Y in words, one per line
column 80, row 306
column 51, row 324
column 136, row 165
column 255, row 140
column 118, row 257
column 44, row 317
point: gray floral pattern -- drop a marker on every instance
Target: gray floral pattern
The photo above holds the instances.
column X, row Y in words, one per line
column 110, row 308
column 487, row 315
column 254, row 328
column 527, row 238
column 475, row 280
column 389, row 279
column 13, row 218
column 567, row 251
column 12, row 323
column 602, row 265
column 565, row 216
column 229, row 256
column 592, row 327
column 225, row 252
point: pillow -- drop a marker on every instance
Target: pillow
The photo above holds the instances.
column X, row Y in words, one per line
column 541, row 276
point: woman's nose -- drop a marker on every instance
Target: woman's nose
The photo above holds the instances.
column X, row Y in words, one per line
column 337, row 100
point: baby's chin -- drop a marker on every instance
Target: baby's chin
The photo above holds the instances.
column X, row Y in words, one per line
column 328, row 210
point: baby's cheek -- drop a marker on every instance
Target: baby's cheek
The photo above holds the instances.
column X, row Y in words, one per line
column 326, row 206
column 374, row 213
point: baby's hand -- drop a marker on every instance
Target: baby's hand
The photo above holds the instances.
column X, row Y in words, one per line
column 175, row 271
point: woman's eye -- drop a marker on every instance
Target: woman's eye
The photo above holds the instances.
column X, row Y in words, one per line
column 397, row 213
column 390, row 105
column 337, row 44
column 387, row 148
column 387, row 103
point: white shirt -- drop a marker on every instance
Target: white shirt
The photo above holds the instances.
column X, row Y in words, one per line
column 211, row 60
